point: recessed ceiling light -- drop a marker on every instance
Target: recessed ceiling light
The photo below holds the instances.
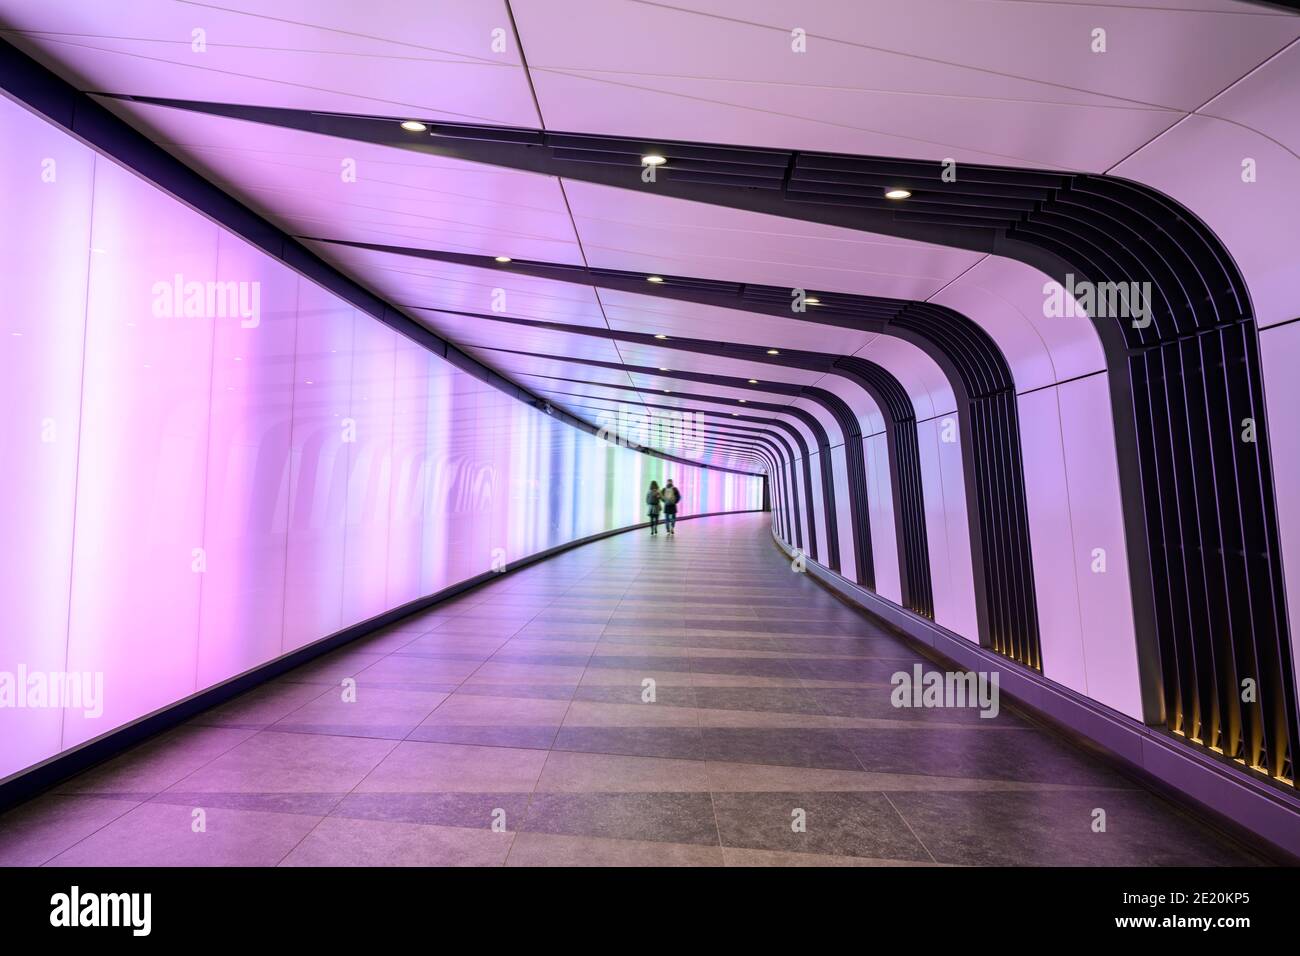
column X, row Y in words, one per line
column 812, row 300
column 661, row 336
column 653, row 159
column 898, row 192
column 662, row 369
column 744, row 401
column 753, row 381
column 773, row 351
column 654, row 278
column 504, row 259
column 414, row 126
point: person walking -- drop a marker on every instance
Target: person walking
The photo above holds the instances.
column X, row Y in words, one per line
column 653, row 499
column 670, row 496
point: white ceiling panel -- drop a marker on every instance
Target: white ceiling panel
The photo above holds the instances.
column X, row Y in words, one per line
column 469, row 331
column 630, row 312
column 330, row 188
column 390, row 59
column 421, row 283
column 645, row 232
column 555, row 368
column 681, row 361
column 1005, row 83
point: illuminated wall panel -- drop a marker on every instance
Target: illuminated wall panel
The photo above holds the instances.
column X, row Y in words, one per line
column 322, row 392
column 439, row 543
column 42, row 324
column 409, row 473
column 211, row 461
column 142, row 463
column 367, row 437
column 247, row 495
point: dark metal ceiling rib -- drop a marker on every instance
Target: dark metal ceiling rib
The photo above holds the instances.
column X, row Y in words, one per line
column 803, row 456
column 1006, row 605
column 883, row 388
column 770, row 437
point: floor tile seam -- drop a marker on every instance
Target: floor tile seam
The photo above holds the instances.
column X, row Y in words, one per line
column 107, row 823
column 915, row 836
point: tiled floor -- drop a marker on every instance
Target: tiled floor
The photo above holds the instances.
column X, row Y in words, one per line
column 509, row 727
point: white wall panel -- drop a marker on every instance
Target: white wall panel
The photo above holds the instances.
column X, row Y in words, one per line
column 1006, row 299
column 822, row 552
column 843, row 513
column 1280, row 352
column 920, row 375
column 1105, row 600
column 884, row 541
column 870, row 419
column 946, row 528
column 1052, row 538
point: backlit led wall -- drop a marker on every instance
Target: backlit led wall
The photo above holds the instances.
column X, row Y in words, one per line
column 208, row 461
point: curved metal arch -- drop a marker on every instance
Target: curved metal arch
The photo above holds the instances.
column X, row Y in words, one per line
column 773, row 444
column 776, row 447
column 855, row 457
column 785, row 456
column 981, row 382
column 845, row 419
column 904, row 479
column 795, row 434
column 1204, row 526
column 988, row 421
column 997, row 505
column 778, row 472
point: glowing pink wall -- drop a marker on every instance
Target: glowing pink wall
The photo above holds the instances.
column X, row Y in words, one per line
column 186, row 498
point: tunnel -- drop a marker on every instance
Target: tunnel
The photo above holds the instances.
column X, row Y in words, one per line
column 606, row 432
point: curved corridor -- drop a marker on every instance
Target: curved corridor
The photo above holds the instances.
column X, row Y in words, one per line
column 635, row 701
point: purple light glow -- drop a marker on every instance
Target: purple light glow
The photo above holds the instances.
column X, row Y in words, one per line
column 211, row 462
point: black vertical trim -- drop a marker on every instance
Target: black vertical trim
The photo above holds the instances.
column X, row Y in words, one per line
column 904, row 479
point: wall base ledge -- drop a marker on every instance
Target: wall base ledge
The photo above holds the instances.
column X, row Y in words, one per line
column 1250, row 809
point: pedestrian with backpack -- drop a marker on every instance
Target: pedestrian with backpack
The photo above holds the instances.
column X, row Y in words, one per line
column 670, row 496
column 653, row 499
